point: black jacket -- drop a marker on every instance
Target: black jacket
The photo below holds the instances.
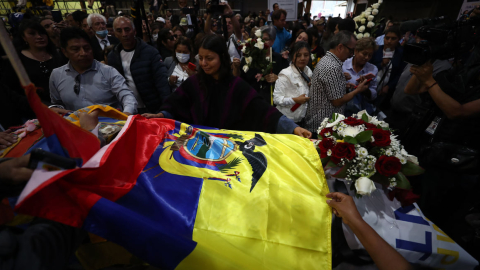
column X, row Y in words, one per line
column 148, row 72
column 97, row 49
column 397, row 65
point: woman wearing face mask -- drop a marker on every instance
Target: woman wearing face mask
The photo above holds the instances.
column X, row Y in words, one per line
column 178, row 69
column 292, row 87
column 216, row 98
column 357, row 67
column 166, row 40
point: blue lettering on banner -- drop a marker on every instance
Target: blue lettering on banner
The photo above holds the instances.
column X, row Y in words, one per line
column 401, row 214
column 418, row 247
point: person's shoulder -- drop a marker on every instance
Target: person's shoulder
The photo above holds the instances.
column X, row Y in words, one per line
column 59, row 70
column 286, row 71
column 147, row 49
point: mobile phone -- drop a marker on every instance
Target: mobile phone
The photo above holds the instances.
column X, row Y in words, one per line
column 192, row 66
column 368, row 81
column 295, row 107
column 41, row 159
column 368, row 76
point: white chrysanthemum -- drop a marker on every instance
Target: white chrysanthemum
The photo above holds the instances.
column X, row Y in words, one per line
column 362, row 152
column 370, row 24
column 351, row 131
column 361, row 29
column 359, row 36
column 340, row 117
column 340, row 129
column 334, row 128
column 375, row 12
column 389, row 152
column 327, row 134
column 329, row 152
column 366, row 35
column 402, row 159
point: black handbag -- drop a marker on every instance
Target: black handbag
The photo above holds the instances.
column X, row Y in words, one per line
column 450, row 156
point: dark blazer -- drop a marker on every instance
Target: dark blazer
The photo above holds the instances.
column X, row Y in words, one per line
column 148, row 72
column 97, row 49
column 397, row 65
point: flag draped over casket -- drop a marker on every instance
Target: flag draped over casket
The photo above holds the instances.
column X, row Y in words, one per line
column 184, row 197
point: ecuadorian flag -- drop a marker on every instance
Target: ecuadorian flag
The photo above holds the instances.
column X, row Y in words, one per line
column 186, row 197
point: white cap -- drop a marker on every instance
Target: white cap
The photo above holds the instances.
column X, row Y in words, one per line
column 160, row 19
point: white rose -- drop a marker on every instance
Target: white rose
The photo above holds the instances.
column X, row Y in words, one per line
column 362, row 21
column 258, row 33
column 361, row 113
column 356, row 26
column 364, row 186
column 362, row 15
column 380, row 1
column 375, row 6
column 375, row 12
column 370, row 24
column 361, row 29
column 244, row 49
column 248, row 60
column 259, row 44
column 368, row 13
column 366, row 35
column 413, row 159
column 245, row 68
column 370, row 18
column 357, row 19
column 359, row 36
column 340, row 117
column 369, row 9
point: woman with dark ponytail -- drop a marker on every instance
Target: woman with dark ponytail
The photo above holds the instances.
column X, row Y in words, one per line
column 215, row 98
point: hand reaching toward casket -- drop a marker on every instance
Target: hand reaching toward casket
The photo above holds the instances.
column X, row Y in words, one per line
column 302, row 132
column 384, row 256
column 15, row 171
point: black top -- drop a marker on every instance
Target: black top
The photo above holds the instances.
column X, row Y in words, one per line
column 263, row 87
column 164, row 52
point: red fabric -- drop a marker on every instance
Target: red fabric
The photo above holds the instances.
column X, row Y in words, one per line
column 115, row 176
column 405, row 196
column 25, row 144
column 77, row 141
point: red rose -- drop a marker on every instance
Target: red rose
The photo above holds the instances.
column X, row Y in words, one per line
column 382, row 137
column 240, row 47
column 325, row 145
column 343, row 150
column 265, row 46
column 369, row 126
column 388, row 166
column 353, row 121
column 325, row 130
column 247, row 44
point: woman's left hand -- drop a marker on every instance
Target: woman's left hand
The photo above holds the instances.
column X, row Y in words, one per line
column 424, row 73
column 271, row 78
column 190, row 72
column 302, row 132
column 347, row 76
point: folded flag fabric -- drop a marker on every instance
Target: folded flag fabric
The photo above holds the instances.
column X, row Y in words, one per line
column 186, row 197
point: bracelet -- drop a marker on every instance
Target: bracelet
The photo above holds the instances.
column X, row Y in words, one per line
column 435, row 83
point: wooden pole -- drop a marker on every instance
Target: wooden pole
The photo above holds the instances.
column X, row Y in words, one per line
column 13, row 56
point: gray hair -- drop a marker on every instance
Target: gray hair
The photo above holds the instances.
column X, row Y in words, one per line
column 342, row 37
column 95, row 15
column 126, row 18
column 270, row 30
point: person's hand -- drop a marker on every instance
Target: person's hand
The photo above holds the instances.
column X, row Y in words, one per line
column 153, row 115
column 344, row 207
column 347, row 76
column 284, row 54
column 350, row 86
column 127, row 113
column 15, row 171
column 271, row 78
column 363, row 85
column 7, row 138
column 301, row 99
column 190, row 72
column 236, row 62
column 172, row 80
column 88, row 121
column 424, row 73
column 302, row 132
column 60, row 110
column 61, row 25
column 385, row 61
column 227, row 11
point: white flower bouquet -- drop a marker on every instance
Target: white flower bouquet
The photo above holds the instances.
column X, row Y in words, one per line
column 255, row 52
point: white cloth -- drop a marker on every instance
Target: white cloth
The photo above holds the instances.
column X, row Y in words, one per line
column 289, row 85
column 126, row 60
column 102, row 44
column 379, row 40
column 232, row 47
column 182, row 75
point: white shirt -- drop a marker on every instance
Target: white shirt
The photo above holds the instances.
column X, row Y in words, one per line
column 101, row 43
column 182, row 75
column 379, row 40
column 290, row 84
column 126, row 60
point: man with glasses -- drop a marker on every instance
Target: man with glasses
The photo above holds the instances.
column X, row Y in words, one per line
column 141, row 65
column 328, row 92
column 83, row 81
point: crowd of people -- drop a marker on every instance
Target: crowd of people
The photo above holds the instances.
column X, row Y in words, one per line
column 188, row 67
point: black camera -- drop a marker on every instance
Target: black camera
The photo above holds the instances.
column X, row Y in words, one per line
column 440, row 40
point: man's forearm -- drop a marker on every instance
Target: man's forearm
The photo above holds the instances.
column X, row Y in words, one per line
column 208, row 23
column 237, row 30
column 346, row 98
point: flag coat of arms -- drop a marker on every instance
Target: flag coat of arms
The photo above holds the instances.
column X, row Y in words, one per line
column 185, row 197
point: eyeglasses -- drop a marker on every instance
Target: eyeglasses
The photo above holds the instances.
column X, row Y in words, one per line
column 350, row 50
column 172, row 37
column 76, row 87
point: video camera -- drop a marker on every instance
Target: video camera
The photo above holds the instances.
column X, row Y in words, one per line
column 441, row 40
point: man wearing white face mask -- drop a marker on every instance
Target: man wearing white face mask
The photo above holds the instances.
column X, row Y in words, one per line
column 100, row 40
column 178, row 66
column 141, row 65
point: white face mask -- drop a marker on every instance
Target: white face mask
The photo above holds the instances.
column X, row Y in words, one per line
column 183, row 57
column 155, row 36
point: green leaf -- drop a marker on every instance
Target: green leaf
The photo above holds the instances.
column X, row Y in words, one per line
column 402, row 181
column 334, row 134
column 342, row 173
column 325, row 160
column 364, row 136
column 378, row 178
column 350, row 139
column 411, row 169
column 365, row 117
column 330, row 164
column 232, row 164
column 334, row 117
